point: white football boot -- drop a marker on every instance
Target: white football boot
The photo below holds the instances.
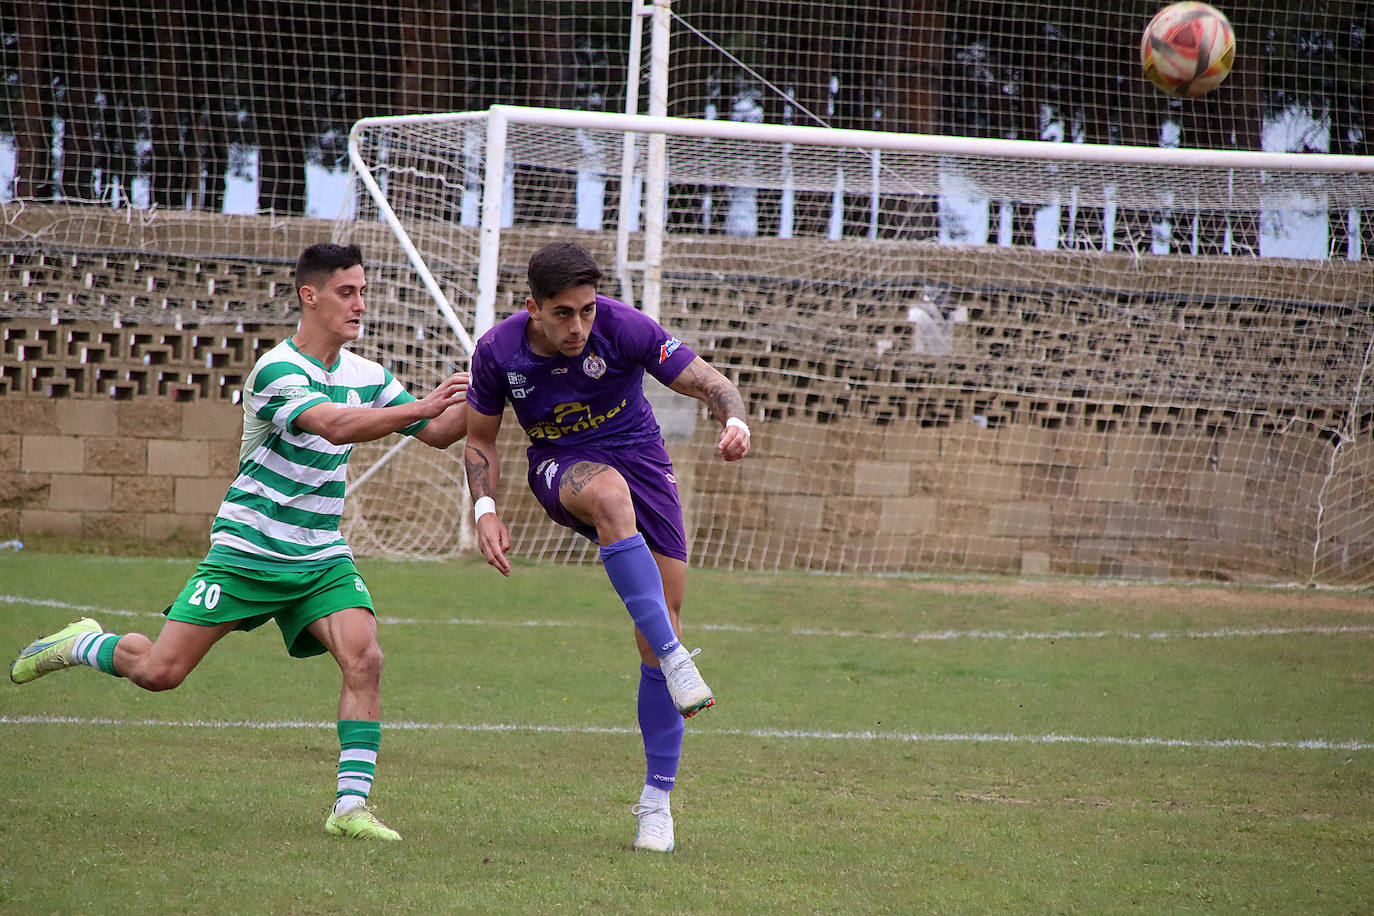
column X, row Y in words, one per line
column 655, row 832
column 689, row 692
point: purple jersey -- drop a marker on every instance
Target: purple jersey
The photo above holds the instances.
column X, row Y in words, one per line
column 596, row 398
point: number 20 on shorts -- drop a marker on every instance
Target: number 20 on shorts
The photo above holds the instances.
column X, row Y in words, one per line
column 209, row 595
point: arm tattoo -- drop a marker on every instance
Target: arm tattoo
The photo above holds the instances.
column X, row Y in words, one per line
column 712, row 388
column 479, row 472
column 580, row 474
column 724, row 399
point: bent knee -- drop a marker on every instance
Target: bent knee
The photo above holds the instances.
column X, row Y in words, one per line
column 157, row 678
column 364, row 665
column 614, row 518
column 373, row 661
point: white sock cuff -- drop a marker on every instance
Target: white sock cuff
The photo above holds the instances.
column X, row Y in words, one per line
column 87, row 647
column 345, row 802
column 653, row 795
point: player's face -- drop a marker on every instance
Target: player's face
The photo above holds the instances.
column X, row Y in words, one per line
column 338, row 302
column 563, row 322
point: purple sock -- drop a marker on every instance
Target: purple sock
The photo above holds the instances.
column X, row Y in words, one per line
column 634, row 574
column 662, row 727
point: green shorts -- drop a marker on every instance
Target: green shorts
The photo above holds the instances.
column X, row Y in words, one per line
column 224, row 594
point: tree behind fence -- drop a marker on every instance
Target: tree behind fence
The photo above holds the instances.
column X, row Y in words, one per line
column 162, row 104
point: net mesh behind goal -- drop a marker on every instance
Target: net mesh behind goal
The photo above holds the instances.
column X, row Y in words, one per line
column 951, row 361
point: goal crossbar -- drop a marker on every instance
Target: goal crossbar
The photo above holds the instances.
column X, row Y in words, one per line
column 934, row 144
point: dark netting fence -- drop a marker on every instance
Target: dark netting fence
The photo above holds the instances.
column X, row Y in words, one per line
column 244, row 106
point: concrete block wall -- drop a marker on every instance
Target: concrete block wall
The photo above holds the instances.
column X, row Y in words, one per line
column 1030, row 501
column 851, row 497
column 141, row 470
column 1060, row 434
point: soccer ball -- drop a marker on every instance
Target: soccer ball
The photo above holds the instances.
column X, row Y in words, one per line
column 1188, row 49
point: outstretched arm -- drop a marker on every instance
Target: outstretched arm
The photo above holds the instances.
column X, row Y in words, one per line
column 484, row 474
column 447, row 428
column 699, row 380
column 342, row 425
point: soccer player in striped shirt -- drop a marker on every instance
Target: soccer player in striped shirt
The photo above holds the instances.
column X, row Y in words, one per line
column 572, row 365
column 275, row 547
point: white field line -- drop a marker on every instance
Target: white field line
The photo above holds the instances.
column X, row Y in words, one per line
column 932, row 636
column 1319, row 744
column 1051, row 635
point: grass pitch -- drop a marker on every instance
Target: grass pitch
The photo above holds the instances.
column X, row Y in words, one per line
column 879, row 746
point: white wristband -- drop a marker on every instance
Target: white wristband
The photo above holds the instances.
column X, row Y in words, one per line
column 484, row 506
column 736, row 421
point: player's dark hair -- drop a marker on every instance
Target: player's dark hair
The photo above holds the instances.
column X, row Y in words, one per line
column 318, row 261
column 559, row 265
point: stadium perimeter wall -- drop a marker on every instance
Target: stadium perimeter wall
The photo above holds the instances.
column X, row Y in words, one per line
column 113, row 428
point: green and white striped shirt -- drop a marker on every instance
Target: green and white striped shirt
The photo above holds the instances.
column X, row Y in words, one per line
column 283, row 508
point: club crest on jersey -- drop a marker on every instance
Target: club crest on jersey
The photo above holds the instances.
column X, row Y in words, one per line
column 669, row 345
column 593, row 366
column 353, row 399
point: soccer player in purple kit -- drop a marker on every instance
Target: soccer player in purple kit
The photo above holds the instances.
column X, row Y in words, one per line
column 572, row 366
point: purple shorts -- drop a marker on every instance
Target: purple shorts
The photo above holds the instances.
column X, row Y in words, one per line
column 653, row 489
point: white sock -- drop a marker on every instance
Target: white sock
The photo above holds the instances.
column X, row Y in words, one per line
column 347, row 801
column 86, row 649
column 654, row 797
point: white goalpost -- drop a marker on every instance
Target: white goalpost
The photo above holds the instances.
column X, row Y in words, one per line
column 960, row 354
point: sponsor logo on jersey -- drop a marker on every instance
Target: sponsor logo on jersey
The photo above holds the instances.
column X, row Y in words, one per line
column 561, row 370
column 353, row 399
column 669, row 345
column 519, row 393
column 571, row 417
column 296, row 392
column 593, row 366
column 667, row 475
column 358, row 584
column 515, row 378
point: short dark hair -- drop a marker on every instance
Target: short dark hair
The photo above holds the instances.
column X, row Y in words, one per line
column 559, row 265
column 322, row 259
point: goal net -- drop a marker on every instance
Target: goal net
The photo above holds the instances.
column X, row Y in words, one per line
column 957, row 355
